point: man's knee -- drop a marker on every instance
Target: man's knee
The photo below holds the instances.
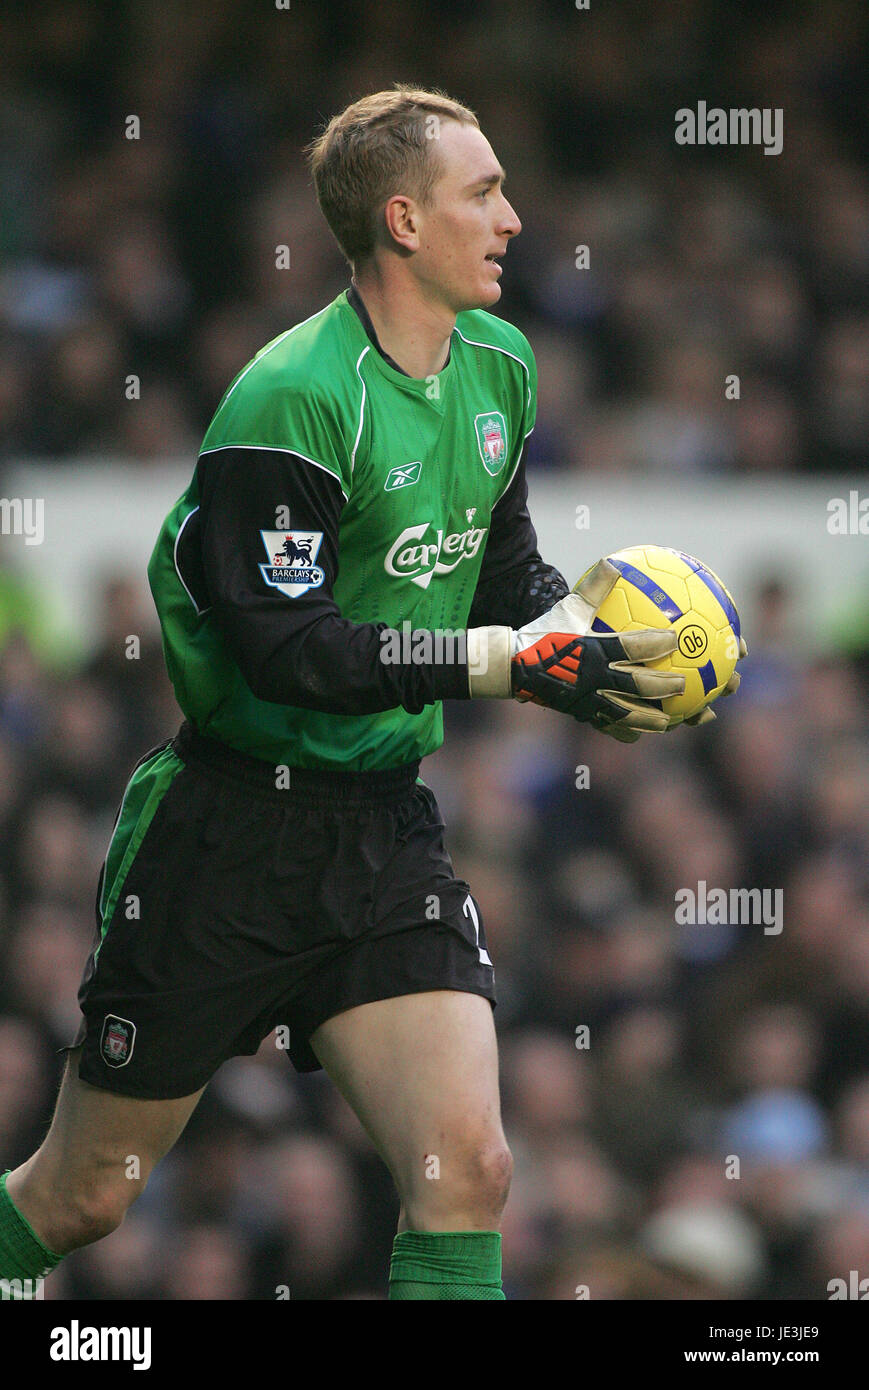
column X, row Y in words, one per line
column 73, row 1209
column 94, row 1208
column 491, row 1174
column 472, row 1185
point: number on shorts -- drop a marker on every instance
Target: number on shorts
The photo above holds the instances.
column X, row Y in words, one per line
column 470, row 910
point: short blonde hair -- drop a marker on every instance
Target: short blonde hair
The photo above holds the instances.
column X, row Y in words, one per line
column 379, row 146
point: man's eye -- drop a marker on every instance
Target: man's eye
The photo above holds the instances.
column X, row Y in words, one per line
column 484, row 193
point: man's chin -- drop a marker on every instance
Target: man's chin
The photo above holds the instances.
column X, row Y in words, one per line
column 484, row 298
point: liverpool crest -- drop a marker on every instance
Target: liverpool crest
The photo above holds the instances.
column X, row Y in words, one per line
column 117, row 1041
column 491, row 431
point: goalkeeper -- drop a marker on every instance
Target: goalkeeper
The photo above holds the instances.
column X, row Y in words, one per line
column 280, row 861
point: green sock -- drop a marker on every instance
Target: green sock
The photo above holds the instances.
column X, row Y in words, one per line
column 23, row 1257
column 446, row 1264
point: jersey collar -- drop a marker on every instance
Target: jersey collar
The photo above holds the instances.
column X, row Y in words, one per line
column 354, row 299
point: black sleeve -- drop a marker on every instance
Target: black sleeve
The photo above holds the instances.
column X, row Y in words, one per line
column 295, row 651
column 515, row 585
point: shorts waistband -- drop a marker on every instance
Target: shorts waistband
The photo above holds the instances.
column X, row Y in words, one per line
column 324, row 784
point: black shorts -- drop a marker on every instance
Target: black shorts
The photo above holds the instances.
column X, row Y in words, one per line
column 228, row 906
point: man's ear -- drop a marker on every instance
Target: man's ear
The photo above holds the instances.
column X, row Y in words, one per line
column 401, row 218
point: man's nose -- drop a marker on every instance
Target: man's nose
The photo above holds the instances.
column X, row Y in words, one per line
column 510, row 224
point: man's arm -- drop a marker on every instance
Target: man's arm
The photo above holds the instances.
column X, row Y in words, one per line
column 302, row 651
column 293, row 651
column 515, row 585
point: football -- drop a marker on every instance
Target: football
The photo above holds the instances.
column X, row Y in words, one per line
column 660, row 587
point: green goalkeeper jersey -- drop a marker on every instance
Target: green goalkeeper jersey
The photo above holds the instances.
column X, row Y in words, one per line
column 339, row 505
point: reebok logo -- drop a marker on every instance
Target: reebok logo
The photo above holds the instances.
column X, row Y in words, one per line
column 405, row 475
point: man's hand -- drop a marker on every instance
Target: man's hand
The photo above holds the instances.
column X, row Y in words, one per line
column 706, row 715
column 558, row 662
column 598, row 680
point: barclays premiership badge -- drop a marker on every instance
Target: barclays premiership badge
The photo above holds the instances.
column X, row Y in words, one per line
column 291, row 566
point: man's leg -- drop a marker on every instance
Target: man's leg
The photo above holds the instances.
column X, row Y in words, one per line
column 81, row 1180
column 421, row 1072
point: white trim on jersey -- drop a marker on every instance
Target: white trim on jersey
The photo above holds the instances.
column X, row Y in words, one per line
column 361, row 409
column 266, row 350
column 278, row 449
column 472, row 342
column 199, row 611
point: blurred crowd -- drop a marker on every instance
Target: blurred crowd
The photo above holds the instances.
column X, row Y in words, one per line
column 151, row 163
column 688, row 1106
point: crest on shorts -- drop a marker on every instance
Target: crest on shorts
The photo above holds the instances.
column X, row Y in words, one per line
column 291, row 565
column 492, row 440
column 117, row 1041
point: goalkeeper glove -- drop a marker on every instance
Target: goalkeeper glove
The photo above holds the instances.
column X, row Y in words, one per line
column 706, row 715
column 557, row 661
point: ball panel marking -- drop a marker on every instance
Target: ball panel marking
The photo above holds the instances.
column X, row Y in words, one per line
column 693, row 640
